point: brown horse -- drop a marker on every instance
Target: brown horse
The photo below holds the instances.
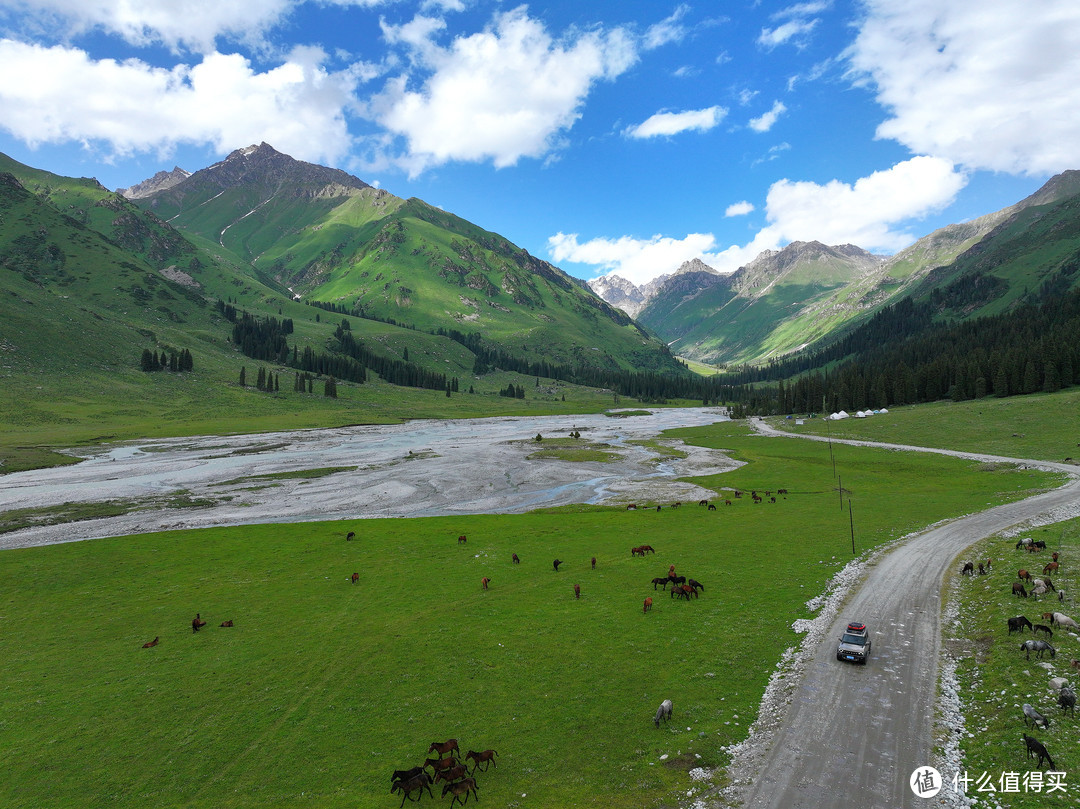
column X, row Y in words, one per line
column 355, row 578
column 461, row 788
column 453, row 774
column 1023, row 575
column 462, row 538
column 1051, row 567
column 417, row 782
column 449, row 746
column 484, row 582
column 153, row 642
column 648, row 604
column 227, row 623
column 439, row 764
column 197, row 623
column 516, row 560
column 577, row 591
column 486, row 757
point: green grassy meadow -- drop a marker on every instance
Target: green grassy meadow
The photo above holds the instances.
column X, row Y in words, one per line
column 323, row 687
column 1043, row 426
column 996, row 679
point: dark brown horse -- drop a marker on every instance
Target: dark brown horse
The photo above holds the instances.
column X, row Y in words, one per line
column 485, row 757
column 417, row 782
column 148, row 644
column 449, row 746
column 227, row 623
column 461, row 788
column 197, row 623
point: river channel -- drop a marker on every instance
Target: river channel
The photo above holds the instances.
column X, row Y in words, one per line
column 419, row 468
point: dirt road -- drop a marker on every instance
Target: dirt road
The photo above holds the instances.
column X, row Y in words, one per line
column 853, row 735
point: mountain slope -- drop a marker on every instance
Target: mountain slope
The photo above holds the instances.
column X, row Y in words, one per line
column 332, row 238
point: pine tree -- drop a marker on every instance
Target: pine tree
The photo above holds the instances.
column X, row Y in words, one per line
column 147, row 362
column 330, row 387
column 243, row 376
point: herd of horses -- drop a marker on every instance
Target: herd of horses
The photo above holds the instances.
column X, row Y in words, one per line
column 1066, row 697
column 448, row 767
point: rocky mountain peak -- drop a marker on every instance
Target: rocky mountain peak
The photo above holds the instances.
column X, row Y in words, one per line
column 159, row 182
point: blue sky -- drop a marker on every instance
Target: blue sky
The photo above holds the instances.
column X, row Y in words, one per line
column 611, row 136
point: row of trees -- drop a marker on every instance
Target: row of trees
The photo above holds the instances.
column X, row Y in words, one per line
column 167, row 361
column 303, row 383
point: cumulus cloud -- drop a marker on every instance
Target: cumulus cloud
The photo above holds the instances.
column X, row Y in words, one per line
column 298, row 106
column 865, row 212
column 765, row 122
column 993, row 87
column 636, row 260
column 192, row 24
column 739, row 209
column 672, row 123
column 869, row 213
column 505, row 93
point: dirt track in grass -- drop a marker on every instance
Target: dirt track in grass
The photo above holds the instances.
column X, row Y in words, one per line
column 835, row 734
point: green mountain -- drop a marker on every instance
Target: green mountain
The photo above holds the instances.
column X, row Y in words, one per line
column 333, row 239
column 808, row 293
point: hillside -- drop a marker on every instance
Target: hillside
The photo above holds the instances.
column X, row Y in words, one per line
column 332, row 238
column 745, row 316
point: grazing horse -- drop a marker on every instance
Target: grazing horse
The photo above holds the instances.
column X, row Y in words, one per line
column 594, row 563
column 982, row 570
column 1023, row 575
column 663, row 712
column 1042, row 628
column 417, row 782
column 556, row 564
column 1018, row 590
column 577, row 591
column 1051, row 567
column 1033, row 716
column 631, row 506
column 461, row 788
column 462, row 538
column 485, row 757
column 1018, row 623
column 638, row 551
column 449, row 746
column 150, row 643
column 197, row 623
column 1061, row 619
column 484, row 582
column 1035, row 749
column 1054, row 556
column 1067, row 699
column 660, row 580
column 516, row 560
column 696, row 585
column 703, row 502
column 355, row 577
column 1039, row 647
column 712, row 507
column 677, row 580
column 350, row 535
column 969, row 569
column 227, row 623
column 647, row 549
column 648, row 604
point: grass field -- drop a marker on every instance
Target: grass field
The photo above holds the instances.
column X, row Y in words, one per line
column 1043, row 426
column 324, row 687
column 996, row 679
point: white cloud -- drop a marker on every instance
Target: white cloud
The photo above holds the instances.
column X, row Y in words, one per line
column 765, row 122
column 190, row 24
column 298, row 107
column 865, row 212
column 989, row 87
column 672, row 123
column 637, row 260
column 665, row 31
column 794, row 31
column 739, row 209
column 502, row 94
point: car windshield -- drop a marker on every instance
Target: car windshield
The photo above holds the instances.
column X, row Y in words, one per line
column 857, row 640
